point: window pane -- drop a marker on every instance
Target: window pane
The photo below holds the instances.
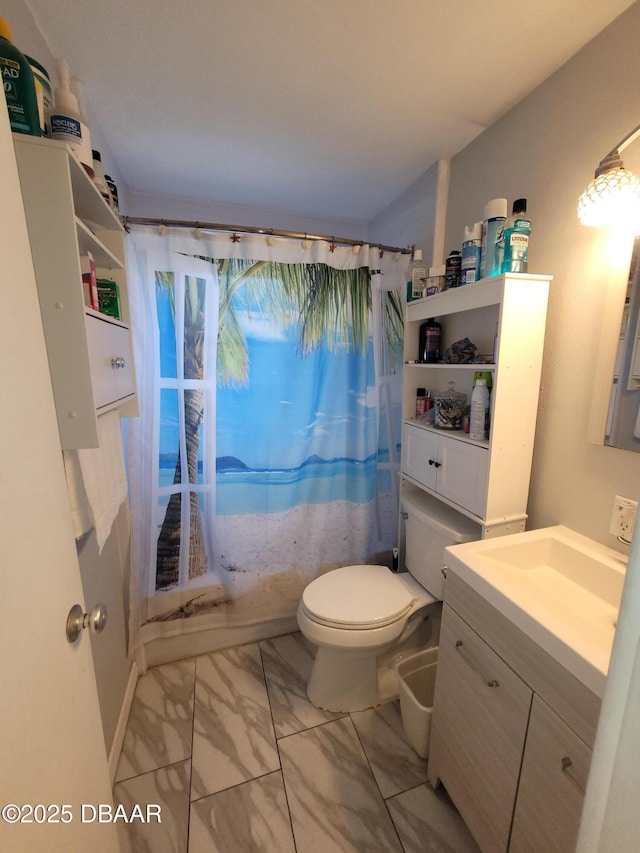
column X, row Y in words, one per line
column 197, row 550
column 165, row 303
column 193, row 416
column 168, row 552
column 169, row 439
column 194, row 327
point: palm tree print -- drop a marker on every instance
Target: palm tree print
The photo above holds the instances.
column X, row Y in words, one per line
column 331, row 307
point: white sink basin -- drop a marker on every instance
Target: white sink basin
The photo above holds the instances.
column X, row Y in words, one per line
column 562, row 589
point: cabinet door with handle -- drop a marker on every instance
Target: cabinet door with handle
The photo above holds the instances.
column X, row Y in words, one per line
column 481, row 710
column 554, row 775
column 421, row 455
column 463, row 472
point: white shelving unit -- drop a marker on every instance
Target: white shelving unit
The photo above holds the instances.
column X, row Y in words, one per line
column 488, row 481
column 90, row 354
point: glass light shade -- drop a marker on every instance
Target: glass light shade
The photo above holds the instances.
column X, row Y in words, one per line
column 611, row 198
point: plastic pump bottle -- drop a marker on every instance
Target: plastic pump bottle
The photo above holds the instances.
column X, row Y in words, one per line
column 65, row 121
column 19, row 85
column 516, row 238
column 479, row 410
column 84, row 151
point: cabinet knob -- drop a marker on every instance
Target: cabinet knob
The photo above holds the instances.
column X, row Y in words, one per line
column 118, row 362
column 434, row 463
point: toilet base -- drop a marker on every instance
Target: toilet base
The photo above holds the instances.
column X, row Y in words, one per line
column 343, row 681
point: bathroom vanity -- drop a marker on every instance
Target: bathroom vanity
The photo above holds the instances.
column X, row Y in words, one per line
column 527, row 630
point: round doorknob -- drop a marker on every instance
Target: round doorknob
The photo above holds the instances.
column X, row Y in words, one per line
column 77, row 620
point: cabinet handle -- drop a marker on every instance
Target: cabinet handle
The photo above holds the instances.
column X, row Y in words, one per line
column 567, row 764
column 489, row 682
column 433, row 462
column 117, row 362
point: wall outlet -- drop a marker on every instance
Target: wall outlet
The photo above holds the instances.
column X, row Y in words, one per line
column 623, row 519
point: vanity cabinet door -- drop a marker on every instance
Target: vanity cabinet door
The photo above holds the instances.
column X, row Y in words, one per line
column 554, row 775
column 481, row 710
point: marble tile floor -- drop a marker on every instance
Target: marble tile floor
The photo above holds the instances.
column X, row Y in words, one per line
column 240, row 762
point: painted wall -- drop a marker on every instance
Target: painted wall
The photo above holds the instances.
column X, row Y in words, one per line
column 546, row 149
column 410, row 219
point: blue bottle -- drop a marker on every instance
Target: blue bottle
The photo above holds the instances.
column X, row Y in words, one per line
column 516, row 238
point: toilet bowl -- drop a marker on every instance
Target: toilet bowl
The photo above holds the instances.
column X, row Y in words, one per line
column 364, row 619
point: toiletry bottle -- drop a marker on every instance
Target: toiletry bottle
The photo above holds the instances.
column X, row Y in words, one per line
column 64, row 120
column 421, row 401
column 113, row 189
column 429, row 342
column 19, row 85
column 84, row 152
column 452, row 270
column 516, row 238
column 435, row 281
column 99, row 179
column 44, row 94
column 479, row 410
column 495, row 215
column 416, row 277
column 471, row 250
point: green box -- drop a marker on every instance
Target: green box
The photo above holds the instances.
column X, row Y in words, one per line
column 109, row 298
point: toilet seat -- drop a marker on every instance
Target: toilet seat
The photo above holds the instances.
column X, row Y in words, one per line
column 357, row 598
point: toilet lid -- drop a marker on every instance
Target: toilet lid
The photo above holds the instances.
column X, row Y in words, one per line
column 357, row 596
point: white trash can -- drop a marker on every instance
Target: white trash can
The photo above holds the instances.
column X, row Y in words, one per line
column 416, row 682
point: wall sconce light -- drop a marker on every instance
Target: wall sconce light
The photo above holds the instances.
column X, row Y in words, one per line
column 613, row 196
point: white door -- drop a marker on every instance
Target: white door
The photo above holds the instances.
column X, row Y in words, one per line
column 52, row 751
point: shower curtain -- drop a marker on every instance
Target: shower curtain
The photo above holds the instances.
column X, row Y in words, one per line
column 267, row 447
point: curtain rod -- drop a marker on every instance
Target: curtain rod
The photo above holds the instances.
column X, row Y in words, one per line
column 268, row 232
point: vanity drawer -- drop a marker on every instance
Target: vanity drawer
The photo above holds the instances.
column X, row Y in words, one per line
column 481, row 711
column 554, row 776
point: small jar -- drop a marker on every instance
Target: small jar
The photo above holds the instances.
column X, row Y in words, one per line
column 449, row 408
column 421, row 403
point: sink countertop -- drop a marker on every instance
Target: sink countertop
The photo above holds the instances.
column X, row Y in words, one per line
column 560, row 588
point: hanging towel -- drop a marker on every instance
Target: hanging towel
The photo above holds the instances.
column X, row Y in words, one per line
column 97, row 481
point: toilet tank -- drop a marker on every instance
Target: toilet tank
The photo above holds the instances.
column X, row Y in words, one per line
column 430, row 526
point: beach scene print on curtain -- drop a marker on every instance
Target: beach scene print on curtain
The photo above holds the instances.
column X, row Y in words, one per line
column 278, row 468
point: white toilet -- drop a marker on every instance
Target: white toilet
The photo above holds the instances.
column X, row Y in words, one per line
column 364, row 619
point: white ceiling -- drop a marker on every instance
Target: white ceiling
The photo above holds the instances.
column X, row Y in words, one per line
column 331, row 107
